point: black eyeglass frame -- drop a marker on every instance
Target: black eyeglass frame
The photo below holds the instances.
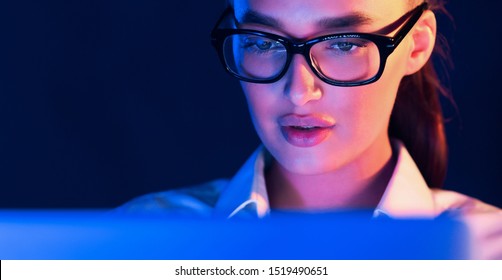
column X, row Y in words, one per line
column 385, row 44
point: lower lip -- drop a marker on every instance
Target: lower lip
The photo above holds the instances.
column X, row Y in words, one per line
column 305, row 138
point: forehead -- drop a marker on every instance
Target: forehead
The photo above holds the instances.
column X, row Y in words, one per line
column 303, row 17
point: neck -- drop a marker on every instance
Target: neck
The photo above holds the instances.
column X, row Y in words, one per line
column 357, row 185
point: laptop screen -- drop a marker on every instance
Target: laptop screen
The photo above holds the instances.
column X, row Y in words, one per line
column 29, row 234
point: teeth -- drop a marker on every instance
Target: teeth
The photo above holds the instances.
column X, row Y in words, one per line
column 304, row 127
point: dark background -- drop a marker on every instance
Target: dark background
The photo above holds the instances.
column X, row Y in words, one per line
column 104, row 100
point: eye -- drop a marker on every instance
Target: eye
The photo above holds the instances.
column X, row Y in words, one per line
column 263, row 44
column 260, row 44
column 344, row 46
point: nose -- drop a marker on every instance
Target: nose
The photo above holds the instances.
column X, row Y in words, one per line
column 302, row 85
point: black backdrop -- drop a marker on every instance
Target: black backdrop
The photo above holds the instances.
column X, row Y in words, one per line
column 104, row 100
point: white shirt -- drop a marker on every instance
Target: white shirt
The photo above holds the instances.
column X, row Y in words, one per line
column 406, row 196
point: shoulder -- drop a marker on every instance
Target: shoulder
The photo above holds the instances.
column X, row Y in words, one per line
column 197, row 199
column 455, row 203
column 483, row 222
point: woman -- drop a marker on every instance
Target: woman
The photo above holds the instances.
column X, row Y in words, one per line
column 345, row 99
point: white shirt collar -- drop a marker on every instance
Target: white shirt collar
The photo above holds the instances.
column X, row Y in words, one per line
column 246, row 193
column 406, row 195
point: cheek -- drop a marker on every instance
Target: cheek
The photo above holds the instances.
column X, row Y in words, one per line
column 374, row 103
column 363, row 113
column 371, row 109
column 262, row 104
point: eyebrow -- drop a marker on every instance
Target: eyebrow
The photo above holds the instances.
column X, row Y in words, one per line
column 251, row 17
column 351, row 20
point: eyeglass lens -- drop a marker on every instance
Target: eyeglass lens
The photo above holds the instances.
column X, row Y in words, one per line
column 342, row 59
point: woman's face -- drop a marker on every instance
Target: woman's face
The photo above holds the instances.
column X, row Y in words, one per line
column 311, row 127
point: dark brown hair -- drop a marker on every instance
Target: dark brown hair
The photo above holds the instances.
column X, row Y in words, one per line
column 417, row 118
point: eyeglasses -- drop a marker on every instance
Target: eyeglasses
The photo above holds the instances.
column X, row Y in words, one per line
column 346, row 59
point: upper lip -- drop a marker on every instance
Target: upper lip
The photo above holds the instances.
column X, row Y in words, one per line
column 306, row 120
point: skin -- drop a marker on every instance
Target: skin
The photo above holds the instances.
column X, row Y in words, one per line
column 352, row 166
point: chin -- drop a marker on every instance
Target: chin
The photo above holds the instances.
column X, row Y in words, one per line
column 305, row 165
